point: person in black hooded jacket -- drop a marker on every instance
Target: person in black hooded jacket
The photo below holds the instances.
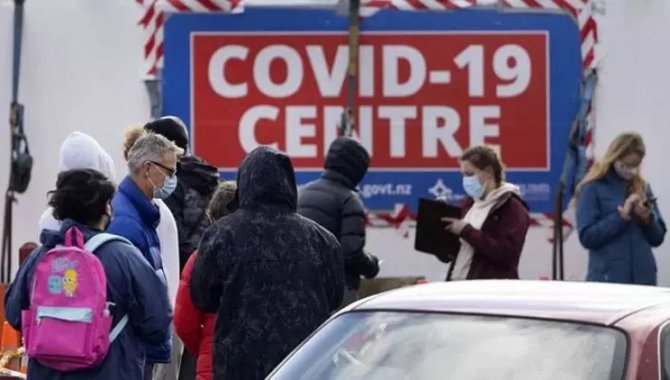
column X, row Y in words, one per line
column 333, row 202
column 270, row 275
column 197, row 182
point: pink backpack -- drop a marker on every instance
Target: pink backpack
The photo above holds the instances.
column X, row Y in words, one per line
column 68, row 324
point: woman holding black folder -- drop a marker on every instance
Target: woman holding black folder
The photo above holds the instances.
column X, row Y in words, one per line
column 495, row 221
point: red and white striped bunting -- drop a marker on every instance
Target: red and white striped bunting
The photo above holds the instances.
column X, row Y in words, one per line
column 581, row 10
column 153, row 21
column 402, row 220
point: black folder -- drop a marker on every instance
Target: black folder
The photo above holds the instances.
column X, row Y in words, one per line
column 431, row 236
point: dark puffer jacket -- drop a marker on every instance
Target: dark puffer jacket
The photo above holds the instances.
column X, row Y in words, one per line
column 197, row 182
column 332, row 201
column 271, row 275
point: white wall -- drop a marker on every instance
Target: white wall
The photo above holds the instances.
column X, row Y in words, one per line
column 82, row 70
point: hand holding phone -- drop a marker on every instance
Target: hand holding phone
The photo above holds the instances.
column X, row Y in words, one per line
column 649, row 202
column 643, row 210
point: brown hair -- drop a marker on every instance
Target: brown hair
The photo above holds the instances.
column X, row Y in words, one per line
column 224, row 194
column 484, row 157
column 623, row 145
column 133, row 134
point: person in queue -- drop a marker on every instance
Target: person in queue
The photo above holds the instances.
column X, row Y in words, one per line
column 152, row 166
column 82, row 199
column 495, row 221
column 195, row 328
column 169, row 251
column 270, row 275
column 197, row 182
column 333, row 202
column 78, row 151
column 617, row 216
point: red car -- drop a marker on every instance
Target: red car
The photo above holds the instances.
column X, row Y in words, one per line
column 483, row 330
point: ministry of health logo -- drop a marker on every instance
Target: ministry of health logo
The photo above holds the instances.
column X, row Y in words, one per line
column 441, row 191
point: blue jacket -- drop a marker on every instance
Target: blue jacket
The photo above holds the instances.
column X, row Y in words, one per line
column 619, row 250
column 136, row 218
column 132, row 286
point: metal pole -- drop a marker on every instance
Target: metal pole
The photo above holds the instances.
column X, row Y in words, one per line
column 558, row 204
column 18, row 39
column 17, row 137
column 352, row 71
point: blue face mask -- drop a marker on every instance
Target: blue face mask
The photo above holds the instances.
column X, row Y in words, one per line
column 473, row 187
column 167, row 189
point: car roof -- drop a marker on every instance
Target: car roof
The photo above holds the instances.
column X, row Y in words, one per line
column 596, row 303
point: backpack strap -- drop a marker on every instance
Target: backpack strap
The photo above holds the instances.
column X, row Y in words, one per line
column 118, row 328
column 98, row 240
column 91, row 245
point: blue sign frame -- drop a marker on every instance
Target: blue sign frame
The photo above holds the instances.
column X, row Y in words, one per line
column 382, row 190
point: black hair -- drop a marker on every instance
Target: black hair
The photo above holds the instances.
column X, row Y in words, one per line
column 81, row 195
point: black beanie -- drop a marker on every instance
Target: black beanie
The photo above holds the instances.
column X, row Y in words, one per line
column 170, row 127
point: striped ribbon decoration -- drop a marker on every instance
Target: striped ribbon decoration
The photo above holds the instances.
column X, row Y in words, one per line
column 153, row 21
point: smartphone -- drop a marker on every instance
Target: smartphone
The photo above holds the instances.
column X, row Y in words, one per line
column 649, row 202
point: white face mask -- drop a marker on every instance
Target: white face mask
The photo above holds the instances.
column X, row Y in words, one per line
column 473, row 187
column 626, row 172
column 169, row 185
column 167, row 189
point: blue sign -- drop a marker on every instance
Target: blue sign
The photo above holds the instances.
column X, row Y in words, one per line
column 431, row 84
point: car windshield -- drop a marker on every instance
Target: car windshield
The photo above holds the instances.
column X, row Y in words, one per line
column 411, row 345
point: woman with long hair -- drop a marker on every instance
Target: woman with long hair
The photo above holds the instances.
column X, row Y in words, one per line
column 617, row 216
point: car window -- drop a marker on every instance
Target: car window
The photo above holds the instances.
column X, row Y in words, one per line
column 404, row 345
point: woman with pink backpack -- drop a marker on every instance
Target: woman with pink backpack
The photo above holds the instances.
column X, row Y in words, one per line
column 86, row 301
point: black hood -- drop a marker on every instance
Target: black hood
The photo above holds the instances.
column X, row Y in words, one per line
column 348, row 158
column 196, row 174
column 266, row 178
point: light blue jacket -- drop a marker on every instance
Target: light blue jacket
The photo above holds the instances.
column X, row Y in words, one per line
column 619, row 250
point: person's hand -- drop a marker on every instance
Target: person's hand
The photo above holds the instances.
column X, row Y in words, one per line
column 455, row 226
column 631, row 202
column 373, row 263
column 642, row 212
column 372, row 258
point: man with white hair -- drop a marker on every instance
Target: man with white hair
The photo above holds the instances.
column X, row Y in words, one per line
column 152, row 166
column 198, row 181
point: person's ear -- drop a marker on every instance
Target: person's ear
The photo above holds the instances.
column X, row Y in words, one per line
column 484, row 175
column 490, row 173
column 146, row 168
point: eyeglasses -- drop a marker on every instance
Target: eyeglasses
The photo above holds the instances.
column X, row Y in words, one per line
column 169, row 171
